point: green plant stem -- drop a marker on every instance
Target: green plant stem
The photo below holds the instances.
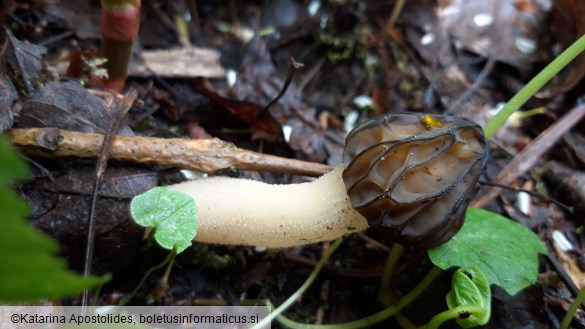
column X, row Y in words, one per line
column 572, row 309
column 292, row 298
column 393, row 257
column 395, row 13
column 165, row 278
column 404, row 322
column 374, row 318
column 534, row 85
column 96, row 295
column 438, row 319
column 223, row 302
column 384, row 295
column 167, row 259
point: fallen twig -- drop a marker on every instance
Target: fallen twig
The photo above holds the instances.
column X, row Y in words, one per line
column 206, row 155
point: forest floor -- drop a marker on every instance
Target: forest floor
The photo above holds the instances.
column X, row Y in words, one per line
column 453, row 57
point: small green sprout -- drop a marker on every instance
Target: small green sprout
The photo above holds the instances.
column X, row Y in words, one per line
column 172, row 215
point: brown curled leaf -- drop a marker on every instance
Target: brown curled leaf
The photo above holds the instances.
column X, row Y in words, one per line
column 250, row 113
column 413, row 180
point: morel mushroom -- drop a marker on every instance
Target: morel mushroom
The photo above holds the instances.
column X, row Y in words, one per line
column 412, row 177
column 408, row 175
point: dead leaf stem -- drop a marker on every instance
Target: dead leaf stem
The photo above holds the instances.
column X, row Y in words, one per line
column 122, row 109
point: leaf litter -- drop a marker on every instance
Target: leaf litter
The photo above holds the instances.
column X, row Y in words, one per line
column 396, row 77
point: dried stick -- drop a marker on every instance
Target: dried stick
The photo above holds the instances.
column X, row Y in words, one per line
column 531, row 153
column 206, row 155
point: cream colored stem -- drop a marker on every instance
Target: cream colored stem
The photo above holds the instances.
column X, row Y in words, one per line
column 252, row 213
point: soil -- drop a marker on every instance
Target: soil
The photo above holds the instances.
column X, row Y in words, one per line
column 436, row 58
